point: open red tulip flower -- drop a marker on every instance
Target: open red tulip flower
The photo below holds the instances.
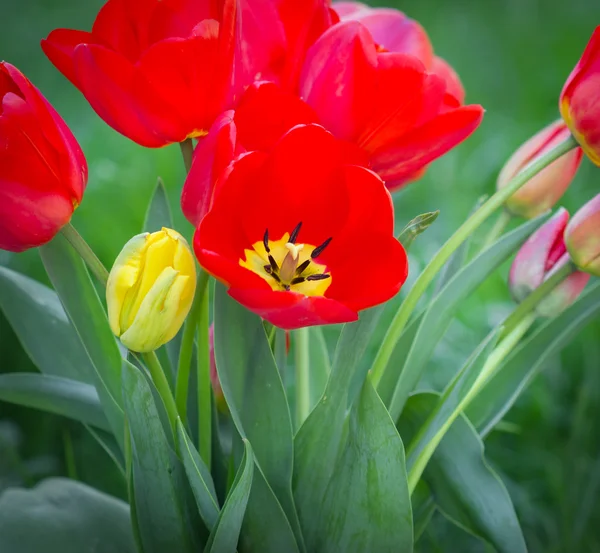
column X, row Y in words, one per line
column 302, row 235
column 387, row 103
column 43, row 172
column 579, row 101
column 157, row 72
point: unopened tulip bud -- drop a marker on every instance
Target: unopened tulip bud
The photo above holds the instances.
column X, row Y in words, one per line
column 579, row 105
column 544, row 190
column 539, row 258
column 150, row 289
column 583, row 237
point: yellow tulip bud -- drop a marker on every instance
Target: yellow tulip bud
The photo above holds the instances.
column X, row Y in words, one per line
column 150, row 289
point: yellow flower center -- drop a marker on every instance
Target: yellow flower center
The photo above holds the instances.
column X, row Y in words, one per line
column 288, row 266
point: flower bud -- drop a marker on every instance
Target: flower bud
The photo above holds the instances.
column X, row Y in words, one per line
column 539, row 258
column 546, row 188
column 214, row 377
column 583, row 237
column 150, row 289
column 579, row 105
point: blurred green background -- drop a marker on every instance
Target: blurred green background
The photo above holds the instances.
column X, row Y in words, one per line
column 513, row 57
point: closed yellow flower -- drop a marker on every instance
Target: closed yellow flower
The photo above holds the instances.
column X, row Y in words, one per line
column 150, row 289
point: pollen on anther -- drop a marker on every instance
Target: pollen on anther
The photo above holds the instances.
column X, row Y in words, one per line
column 294, row 235
column 318, row 276
column 319, row 250
column 266, row 241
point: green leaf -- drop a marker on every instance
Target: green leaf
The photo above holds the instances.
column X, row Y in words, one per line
column 159, row 213
column 446, row 409
column 524, row 363
column 320, row 365
column 63, row 516
column 54, row 394
column 199, row 478
column 367, row 505
column 41, row 324
column 442, row 309
column 109, row 444
column 319, row 439
column 465, row 488
column 164, row 516
column 82, row 304
column 256, row 398
column 224, row 537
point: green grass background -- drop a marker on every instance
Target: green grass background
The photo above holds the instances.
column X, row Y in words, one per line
column 513, row 57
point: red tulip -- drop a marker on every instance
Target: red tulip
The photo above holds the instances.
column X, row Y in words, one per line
column 43, row 172
column 583, row 237
column 540, row 257
column 156, row 71
column 264, row 114
column 289, row 230
column 384, row 102
column 547, row 187
column 580, row 100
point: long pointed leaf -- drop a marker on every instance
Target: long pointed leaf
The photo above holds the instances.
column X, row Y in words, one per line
column 224, row 537
column 54, row 394
column 165, row 519
column 367, row 504
column 256, row 398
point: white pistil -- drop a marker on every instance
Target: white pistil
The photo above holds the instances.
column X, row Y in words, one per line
column 290, row 262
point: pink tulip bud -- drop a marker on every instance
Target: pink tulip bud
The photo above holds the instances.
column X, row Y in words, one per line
column 214, row 377
column 547, row 187
column 539, row 258
column 583, row 237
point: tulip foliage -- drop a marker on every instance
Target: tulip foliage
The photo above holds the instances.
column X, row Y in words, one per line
column 201, row 366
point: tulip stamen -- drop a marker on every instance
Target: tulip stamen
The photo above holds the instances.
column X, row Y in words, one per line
column 319, row 250
column 300, row 269
column 294, row 235
column 266, row 241
column 318, row 276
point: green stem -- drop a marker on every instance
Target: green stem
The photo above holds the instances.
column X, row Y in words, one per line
column 162, row 385
column 464, row 231
column 489, row 368
column 496, row 231
column 187, row 151
column 204, row 384
column 187, row 347
column 301, row 346
column 533, row 299
column 85, row 252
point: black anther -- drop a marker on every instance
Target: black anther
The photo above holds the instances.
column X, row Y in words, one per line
column 318, row 276
column 266, row 240
column 295, row 232
column 297, row 280
column 302, row 266
column 319, row 250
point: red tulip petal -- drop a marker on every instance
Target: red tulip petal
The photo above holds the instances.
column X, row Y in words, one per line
column 187, row 88
column 122, row 25
column 211, row 156
column 301, row 181
column 177, row 18
column 304, row 23
column 266, row 112
column 106, row 80
column 58, row 142
column 395, row 32
column 260, row 48
column 60, row 48
column 426, row 143
column 454, row 89
column 288, row 310
column 374, row 270
column 338, row 79
column 29, row 217
column 405, row 97
column 345, row 9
